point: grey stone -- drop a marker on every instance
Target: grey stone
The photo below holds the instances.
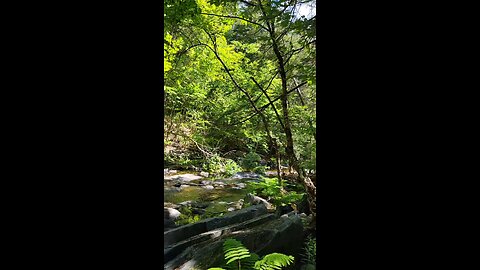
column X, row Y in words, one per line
column 241, row 185
column 170, row 213
column 185, row 203
column 230, row 209
column 208, row 187
column 263, row 236
column 204, row 174
column 183, row 177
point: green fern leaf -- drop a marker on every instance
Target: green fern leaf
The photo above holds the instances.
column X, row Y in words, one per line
column 274, row 261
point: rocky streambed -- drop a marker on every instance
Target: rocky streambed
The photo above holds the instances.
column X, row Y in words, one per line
column 193, row 196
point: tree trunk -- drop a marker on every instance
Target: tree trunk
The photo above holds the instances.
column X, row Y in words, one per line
column 307, row 183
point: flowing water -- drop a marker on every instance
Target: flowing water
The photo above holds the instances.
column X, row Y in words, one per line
column 224, row 197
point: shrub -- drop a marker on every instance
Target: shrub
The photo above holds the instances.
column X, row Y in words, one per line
column 259, row 170
column 270, row 188
column 231, row 167
column 250, row 161
column 217, row 165
column 310, row 255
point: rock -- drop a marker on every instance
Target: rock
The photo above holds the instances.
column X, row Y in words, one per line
column 170, row 213
column 208, row 187
column 303, row 215
column 264, row 236
column 186, row 231
column 183, row 177
column 168, row 224
column 230, row 209
column 219, row 186
column 204, row 174
column 241, row 185
column 219, row 183
column 198, row 211
column 283, row 209
column 168, row 171
column 253, row 200
column 199, row 205
column 206, row 182
column 241, row 175
column 170, row 205
column 185, row 203
column 184, row 186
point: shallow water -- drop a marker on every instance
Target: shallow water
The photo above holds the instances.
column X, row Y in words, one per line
column 218, row 199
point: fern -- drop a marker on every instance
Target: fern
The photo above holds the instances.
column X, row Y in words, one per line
column 274, row 261
column 234, row 250
column 238, row 257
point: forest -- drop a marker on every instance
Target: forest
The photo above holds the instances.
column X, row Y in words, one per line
column 239, row 134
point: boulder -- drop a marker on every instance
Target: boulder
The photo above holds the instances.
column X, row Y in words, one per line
column 204, row 174
column 189, row 230
column 262, row 237
column 170, row 213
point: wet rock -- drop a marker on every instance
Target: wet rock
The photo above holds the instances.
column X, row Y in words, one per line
column 208, row 187
column 204, row 174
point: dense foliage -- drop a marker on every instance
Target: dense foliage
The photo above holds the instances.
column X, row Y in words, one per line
column 239, row 84
column 270, row 189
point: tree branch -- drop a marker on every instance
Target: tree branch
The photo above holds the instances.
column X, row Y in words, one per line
column 235, row 17
column 266, row 106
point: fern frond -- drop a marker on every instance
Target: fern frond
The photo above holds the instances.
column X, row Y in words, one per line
column 274, row 261
column 234, row 251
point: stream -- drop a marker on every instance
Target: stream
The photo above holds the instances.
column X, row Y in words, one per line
column 198, row 197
